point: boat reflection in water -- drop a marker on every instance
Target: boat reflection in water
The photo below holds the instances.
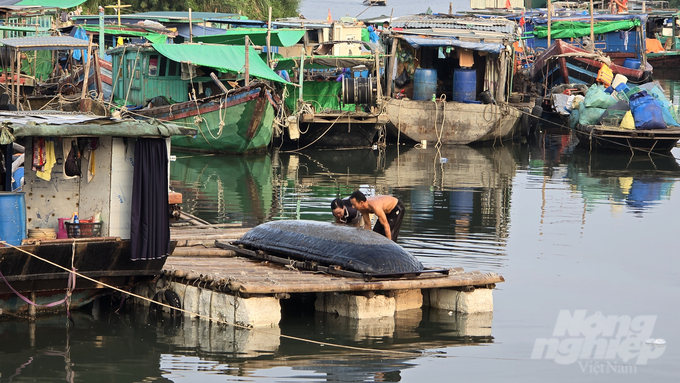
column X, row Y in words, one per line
column 144, row 347
column 620, row 180
column 459, row 201
column 224, row 188
column 457, row 198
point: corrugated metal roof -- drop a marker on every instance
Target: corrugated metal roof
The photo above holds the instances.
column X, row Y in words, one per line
column 45, row 43
column 499, row 25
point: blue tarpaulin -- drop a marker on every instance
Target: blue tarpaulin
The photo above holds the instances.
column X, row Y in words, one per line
column 80, row 34
column 417, row 42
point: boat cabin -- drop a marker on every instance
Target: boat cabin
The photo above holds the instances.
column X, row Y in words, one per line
column 453, row 57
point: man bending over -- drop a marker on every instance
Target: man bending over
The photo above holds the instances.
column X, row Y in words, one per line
column 389, row 210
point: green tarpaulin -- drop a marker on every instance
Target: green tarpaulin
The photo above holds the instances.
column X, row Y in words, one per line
column 224, row 58
column 322, row 95
column 279, row 37
column 155, row 38
column 50, row 3
column 574, row 29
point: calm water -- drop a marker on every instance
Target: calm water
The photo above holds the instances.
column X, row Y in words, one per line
column 568, row 229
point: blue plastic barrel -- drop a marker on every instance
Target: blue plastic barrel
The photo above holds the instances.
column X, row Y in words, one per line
column 631, row 63
column 12, row 218
column 464, row 84
column 424, row 84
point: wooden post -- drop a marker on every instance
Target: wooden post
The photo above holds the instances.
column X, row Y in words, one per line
column 98, row 75
column 269, row 39
column 377, row 75
column 450, row 8
column 393, row 62
column 549, row 20
column 86, row 74
column 18, row 80
column 247, row 79
column 11, row 73
column 102, row 39
column 592, row 27
column 191, row 30
column 674, row 20
column 301, row 75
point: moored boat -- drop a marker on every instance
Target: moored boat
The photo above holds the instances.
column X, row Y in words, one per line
column 563, row 63
column 451, row 80
column 630, row 140
column 179, row 83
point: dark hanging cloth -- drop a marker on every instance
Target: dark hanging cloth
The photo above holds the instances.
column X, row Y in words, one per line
column 150, row 226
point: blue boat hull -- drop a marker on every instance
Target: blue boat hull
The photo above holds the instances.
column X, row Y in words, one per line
column 352, row 248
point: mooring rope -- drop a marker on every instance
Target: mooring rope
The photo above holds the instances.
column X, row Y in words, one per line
column 217, row 320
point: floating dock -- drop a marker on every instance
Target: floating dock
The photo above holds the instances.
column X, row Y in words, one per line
column 215, row 279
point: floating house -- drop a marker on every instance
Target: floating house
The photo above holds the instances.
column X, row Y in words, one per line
column 114, row 175
column 448, row 79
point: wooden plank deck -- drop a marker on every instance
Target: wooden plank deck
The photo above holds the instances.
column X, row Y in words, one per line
column 247, row 276
column 199, row 260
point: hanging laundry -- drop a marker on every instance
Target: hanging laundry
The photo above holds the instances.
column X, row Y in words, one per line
column 465, row 58
column 38, row 153
column 66, row 148
column 50, row 160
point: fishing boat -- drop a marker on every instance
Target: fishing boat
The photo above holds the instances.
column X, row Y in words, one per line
column 563, row 63
column 122, row 245
column 336, row 101
column 563, row 54
column 203, row 86
column 630, row 140
column 375, row 2
column 450, row 80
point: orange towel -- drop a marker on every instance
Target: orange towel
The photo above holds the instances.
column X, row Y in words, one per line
column 654, row 46
column 465, row 59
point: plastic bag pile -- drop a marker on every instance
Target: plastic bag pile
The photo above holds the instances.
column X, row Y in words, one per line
column 641, row 107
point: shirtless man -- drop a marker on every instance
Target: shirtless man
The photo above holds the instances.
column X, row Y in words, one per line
column 389, row 210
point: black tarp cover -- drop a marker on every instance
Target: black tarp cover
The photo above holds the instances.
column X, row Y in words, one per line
column 150, row 226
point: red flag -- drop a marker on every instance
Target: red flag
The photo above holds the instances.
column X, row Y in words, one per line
column 507, row 4
column 329, row 18
column 521, row 20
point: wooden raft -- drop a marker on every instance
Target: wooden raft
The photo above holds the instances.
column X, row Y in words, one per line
column 247, row 276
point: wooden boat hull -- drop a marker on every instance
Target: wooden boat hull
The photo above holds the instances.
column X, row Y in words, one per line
column 104, row 259
column 337, row 130
column 246, row 118
column 352, row 248
column 658, row 140
column 461, row 124
column 576, row 70
column 665, row 62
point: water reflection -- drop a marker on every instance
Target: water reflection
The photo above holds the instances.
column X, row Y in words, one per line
column 130, row 346
column 457, row 198
column 224, row 188
column 620, row 180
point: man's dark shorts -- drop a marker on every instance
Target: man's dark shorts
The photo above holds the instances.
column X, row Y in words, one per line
column 394, row 219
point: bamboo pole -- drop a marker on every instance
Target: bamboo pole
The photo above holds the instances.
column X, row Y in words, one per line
column 390, row 70
column 591, row 49
column 549, row 20
column 269, row 37
column 191, row 30
column 11, row 73
column 86, row 73
column 247, row 77
column 98, row 75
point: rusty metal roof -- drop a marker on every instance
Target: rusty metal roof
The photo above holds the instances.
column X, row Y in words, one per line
column 497, row 25
column 45, row 43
